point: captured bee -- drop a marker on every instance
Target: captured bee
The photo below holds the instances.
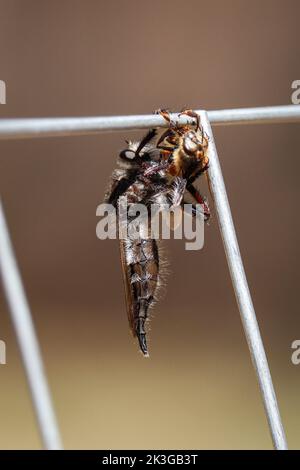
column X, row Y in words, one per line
column 158, row 170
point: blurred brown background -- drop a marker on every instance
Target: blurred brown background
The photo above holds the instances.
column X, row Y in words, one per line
column 198, row 389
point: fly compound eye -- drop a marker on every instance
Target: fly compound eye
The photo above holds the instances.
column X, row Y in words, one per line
column 127, row 154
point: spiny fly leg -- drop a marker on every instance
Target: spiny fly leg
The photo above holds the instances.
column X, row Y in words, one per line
column 200, row 199
column 200, row 172
column 146, row 140
column 195, row 210
column 167, row 117
column 192, row 114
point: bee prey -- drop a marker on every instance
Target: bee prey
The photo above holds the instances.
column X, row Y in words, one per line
column 158, row 170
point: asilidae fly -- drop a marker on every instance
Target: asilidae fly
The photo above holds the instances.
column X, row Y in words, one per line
column 158, row 170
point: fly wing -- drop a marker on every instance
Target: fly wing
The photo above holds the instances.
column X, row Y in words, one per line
column 127, row 286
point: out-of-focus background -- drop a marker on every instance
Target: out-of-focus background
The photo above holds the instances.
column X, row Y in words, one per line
column 198, row 389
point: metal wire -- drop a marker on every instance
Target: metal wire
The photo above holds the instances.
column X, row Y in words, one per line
column 242, row 292
column 27, row 340
column 69, row 126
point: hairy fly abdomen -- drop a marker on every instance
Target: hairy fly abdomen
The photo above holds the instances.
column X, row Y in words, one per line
column 142, row 270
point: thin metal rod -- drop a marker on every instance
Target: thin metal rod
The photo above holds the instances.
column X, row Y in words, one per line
column 69, row 126
column 28, row 344
column 242, row 292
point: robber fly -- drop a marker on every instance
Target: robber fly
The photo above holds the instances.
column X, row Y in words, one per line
column 158, row 170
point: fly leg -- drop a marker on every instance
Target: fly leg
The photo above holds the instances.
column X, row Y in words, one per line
column 166, row 115
column 199, row 172
column 192, row 114
column 146, row 140
column 195, row 210
column 165, row 150
column 200, row 199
